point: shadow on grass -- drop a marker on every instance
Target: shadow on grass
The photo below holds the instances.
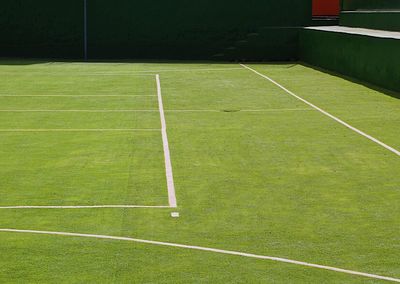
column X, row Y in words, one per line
column 21, row 61
column 385, row 91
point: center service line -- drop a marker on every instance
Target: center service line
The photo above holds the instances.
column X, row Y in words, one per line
column 167, row 155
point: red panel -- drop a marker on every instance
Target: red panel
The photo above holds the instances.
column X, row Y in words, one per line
column 326, row 7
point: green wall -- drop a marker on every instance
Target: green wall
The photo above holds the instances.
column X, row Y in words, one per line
column 41, row 28
column 389, row 21
column 370, row 4
column 374, row 60
column 157, row 29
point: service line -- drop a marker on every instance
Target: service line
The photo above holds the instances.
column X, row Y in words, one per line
column 79, row 206
column 82, row 130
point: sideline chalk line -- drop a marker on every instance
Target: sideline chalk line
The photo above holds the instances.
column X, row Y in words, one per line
column 167, row 155
column 214, row 250
column 80, row 206
column 373, row 139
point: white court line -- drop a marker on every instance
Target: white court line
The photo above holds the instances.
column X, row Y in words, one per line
column 214, row 250
column 167, row 156
column 391, row 149
column 78, row 130
column 88, row 96
column 80, row 206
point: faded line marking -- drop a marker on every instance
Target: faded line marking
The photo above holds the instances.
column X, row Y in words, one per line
column 214, row 250
column 188, row 70
column 80, row 207
column 167, row 155
column 78, row 110
column 80, row 74
column 151, row 110
column 241, row 110
column 373, row 139
column 86, row 96
column 77, row 130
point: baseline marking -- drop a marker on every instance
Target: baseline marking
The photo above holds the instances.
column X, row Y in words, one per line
column 214, row 250
column 81, row 207
column 167, row 155
column 391, row 149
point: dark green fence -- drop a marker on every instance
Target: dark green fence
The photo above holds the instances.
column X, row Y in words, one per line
column 158, row 29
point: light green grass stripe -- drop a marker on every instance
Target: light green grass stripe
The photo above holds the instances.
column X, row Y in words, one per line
column 213, row 250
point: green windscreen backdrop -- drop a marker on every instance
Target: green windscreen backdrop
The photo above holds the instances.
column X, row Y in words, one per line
column 158, row 29
column 370, row 4
column 41, row 28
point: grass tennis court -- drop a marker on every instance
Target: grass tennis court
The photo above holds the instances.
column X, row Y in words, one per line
column 255, row 170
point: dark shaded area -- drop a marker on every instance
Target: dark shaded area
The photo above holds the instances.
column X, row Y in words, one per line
column 387, row 92
column 41, row 28
column 154, row 29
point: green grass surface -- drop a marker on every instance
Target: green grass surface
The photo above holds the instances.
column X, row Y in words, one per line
column 280, row 180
